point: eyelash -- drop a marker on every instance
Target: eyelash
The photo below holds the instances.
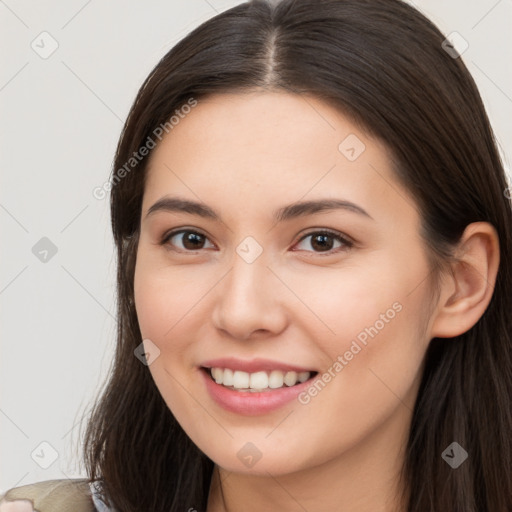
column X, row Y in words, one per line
column 335, row 234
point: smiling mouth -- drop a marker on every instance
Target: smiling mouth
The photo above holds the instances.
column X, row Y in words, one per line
column 238, row 380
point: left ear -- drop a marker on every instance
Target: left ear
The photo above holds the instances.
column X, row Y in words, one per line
column 466, row 293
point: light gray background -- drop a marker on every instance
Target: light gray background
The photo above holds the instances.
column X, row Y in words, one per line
column 60, row 120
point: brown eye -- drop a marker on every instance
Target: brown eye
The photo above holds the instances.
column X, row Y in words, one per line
column 190, row 240
column 323, row 241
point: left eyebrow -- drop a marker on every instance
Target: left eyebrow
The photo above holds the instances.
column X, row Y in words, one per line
column 291, row 211
column 303, row 208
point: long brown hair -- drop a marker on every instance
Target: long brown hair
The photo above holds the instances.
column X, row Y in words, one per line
column 383, row 64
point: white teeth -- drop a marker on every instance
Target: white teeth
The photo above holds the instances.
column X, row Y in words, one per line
column 257, row 381
column 217, row 374
column 276, row 379
column 290, row 378
column 303, row 376
column 240, row 379
column 227, row 380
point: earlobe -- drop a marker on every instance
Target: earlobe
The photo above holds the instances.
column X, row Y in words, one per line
column 466, row 294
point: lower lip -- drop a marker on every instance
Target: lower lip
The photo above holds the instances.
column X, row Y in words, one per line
column 248, row 403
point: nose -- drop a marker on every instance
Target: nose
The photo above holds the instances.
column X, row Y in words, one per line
column 249, row 301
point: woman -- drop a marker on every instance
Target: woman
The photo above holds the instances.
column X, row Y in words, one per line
column 314, row 276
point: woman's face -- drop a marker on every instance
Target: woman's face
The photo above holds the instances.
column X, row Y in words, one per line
column 265, row 293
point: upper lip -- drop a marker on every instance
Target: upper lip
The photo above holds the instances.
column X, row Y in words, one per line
column 253, row 365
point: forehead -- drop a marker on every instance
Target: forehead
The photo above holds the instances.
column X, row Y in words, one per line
column 261, row 127
column 263, row 148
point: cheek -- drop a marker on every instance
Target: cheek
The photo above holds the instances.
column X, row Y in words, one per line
column 371, row 379
column 372, row 344
column 164, row 317
column 380, row 343
column 374, row 303
column 166, row 299
column 168, row 302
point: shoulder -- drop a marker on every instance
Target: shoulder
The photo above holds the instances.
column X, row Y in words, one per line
column 50, row 496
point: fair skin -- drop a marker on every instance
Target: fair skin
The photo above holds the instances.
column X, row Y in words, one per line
column 246, row 155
